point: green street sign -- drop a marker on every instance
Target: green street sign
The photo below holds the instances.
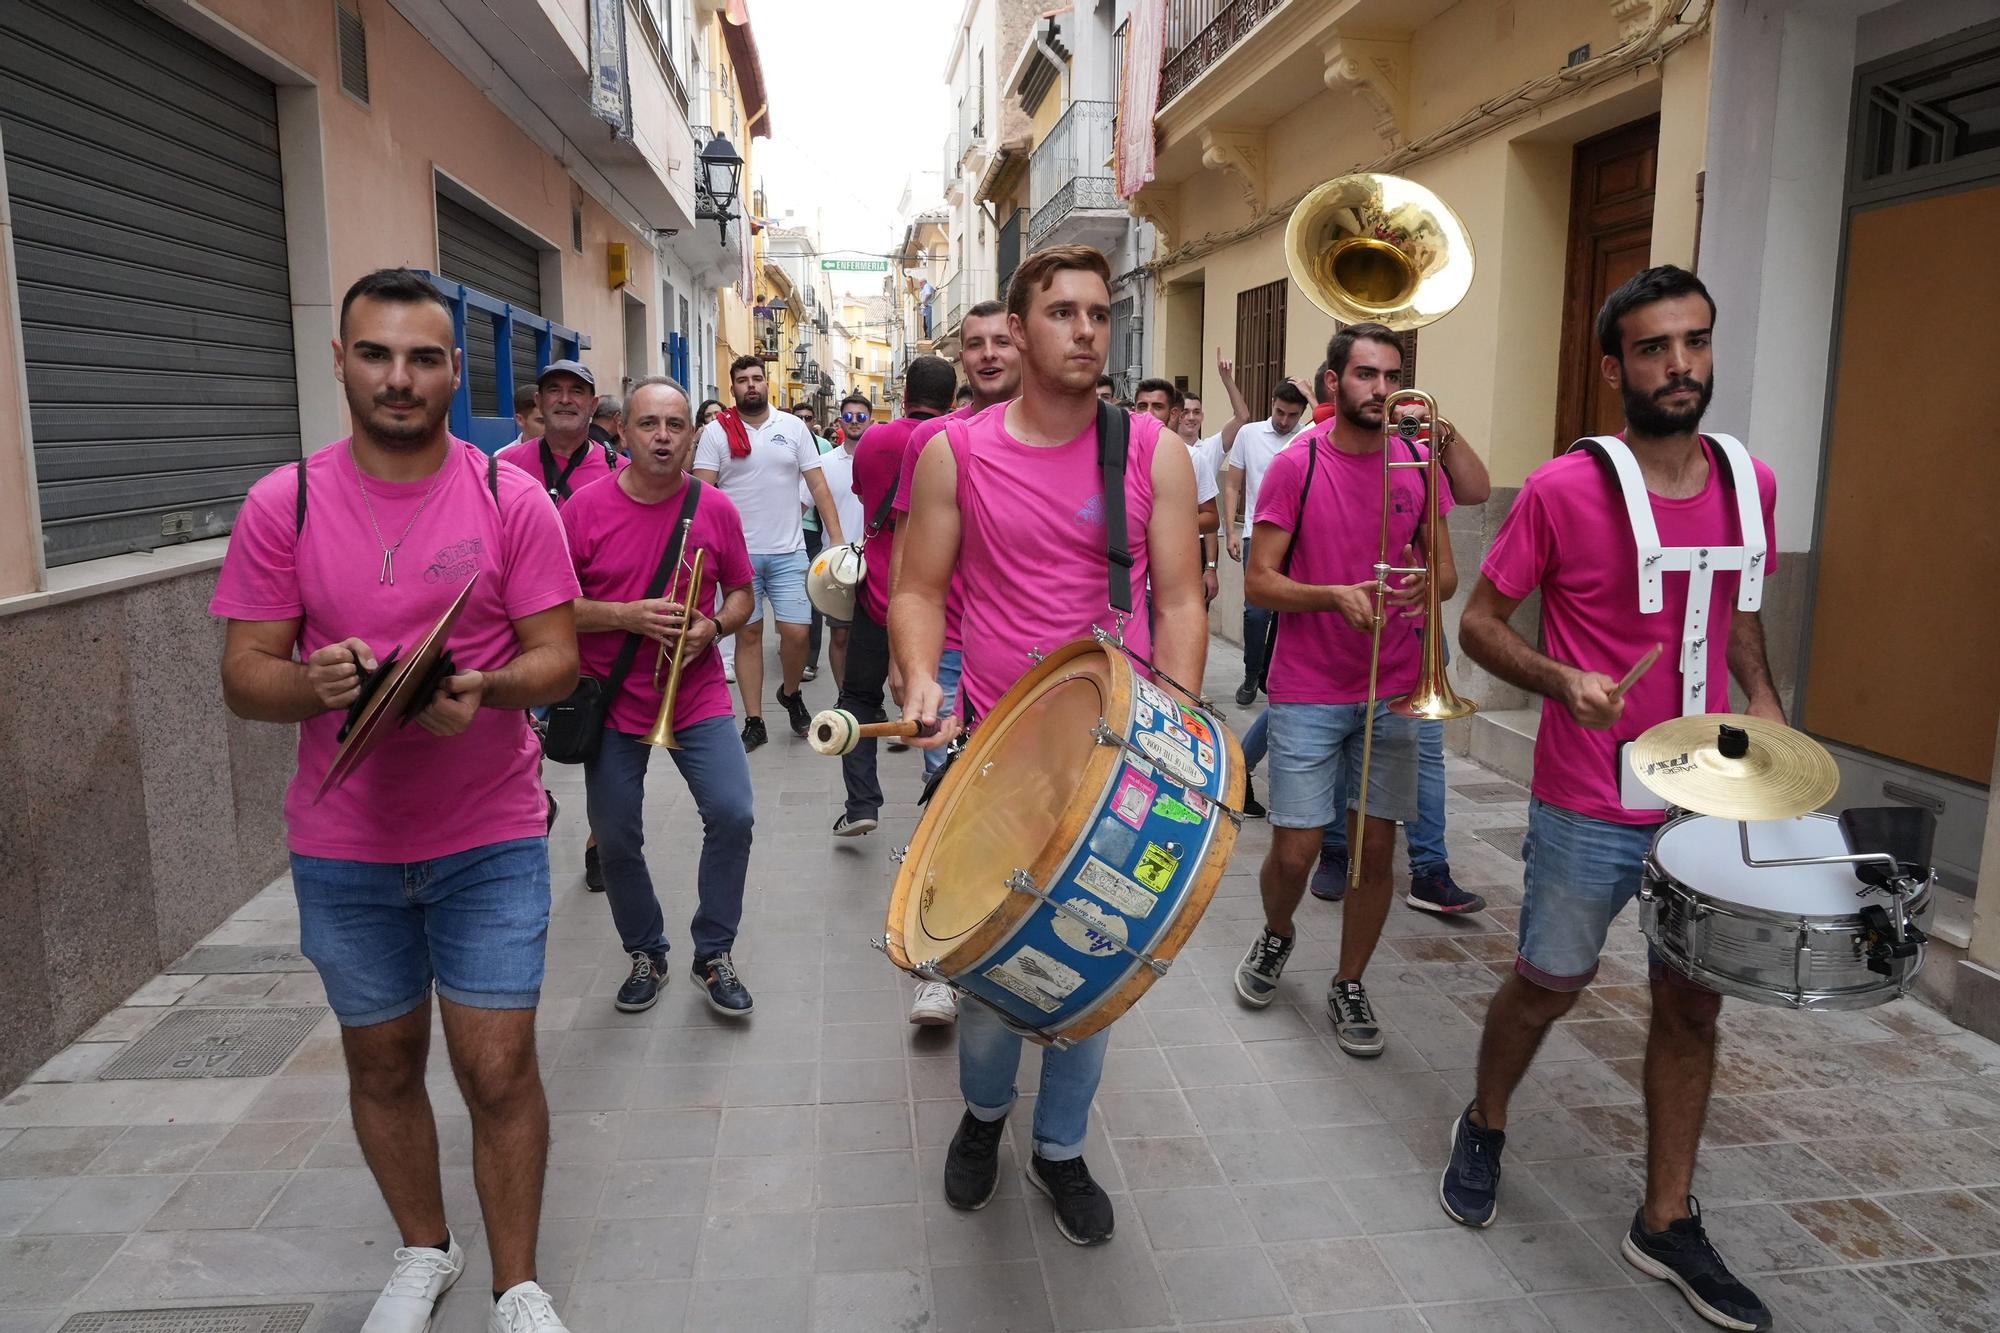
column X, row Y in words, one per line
column 854, row 265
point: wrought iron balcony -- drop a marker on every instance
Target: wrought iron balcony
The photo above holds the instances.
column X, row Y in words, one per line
column 1201, row 32
column 1069, row 176
column 962, row 291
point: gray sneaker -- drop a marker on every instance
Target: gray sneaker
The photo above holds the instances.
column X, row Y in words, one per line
column 1257, row 975
column 1354, row 1025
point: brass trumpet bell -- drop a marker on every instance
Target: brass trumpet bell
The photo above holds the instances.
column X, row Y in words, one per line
column 1370, row 247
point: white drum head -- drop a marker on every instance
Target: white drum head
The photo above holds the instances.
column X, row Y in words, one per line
column 1703, row 853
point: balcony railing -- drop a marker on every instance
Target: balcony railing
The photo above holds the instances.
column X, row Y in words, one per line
column 1070, row 168
column 1199, row 33
column 962, row 291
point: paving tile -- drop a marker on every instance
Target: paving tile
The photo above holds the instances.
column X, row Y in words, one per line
column 1518, row 1316
column 1321, row 1275
column 216, row 1265
column 1957, row 1222
column 101, row 1205
column 1763, row 1238
column 1402, row 1319
column 1167, row 1163
column 50, row 1270
column 272, row 1146
column 1833, row 1301
column 749, row 1305
column 1861, row 1230
column 66, row 1151
column 1626, row 1311
column 754, row 1244
column 1187, row 1219
column 1003, row 1231
column 1449, row 1265
column 852, row 1179
column 658, row 1307
column 991, row 1298
column 1554, row 1256
column 863, row 1126
column 666, row 1187
column 1103, row 1287
column 225, row 1201
column 21, row 1200
column 868, row 1302
column 1219, row 1284
column 158, row 1150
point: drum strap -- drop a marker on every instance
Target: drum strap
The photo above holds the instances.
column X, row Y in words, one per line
column 1114, row 430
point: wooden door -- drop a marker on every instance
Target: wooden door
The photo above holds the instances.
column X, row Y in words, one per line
column 1904, row 629
column 1260, row 343
column 1610, row 239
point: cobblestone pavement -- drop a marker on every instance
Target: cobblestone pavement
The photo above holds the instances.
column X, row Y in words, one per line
column 785, row 1174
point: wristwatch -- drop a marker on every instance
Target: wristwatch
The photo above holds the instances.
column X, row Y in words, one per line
column 1209, row 565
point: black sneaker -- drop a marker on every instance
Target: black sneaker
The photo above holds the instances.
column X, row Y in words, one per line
column 1246, row 693
column 1257, row 975
column 795, row 706
column 1329, row 877
column 1083, row 1209
column 972, row 1165
column 1439, row 892
column 1470, row 1187
column 754, row 734
column 726, row 993
column 849, row 826
column 1251, row 808
column 554, row 810
column 1354, row 1025
column 1682, row 1255
column 593, row 870
column 641, row 990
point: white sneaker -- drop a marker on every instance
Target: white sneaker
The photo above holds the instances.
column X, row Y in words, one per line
column 410, row 1299
column 936, row 1005
column 525, row 1309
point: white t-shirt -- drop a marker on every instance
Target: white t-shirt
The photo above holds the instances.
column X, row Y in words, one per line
column 764, row 486
column 838, row 469
column 1206, row 454
column 1256, row 445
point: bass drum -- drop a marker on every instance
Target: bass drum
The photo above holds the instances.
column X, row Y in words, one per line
column 1068, row 853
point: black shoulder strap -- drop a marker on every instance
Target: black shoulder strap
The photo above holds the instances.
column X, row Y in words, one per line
column 668, row 563
column 1114, row 430
column 882, row 511
column 493, row 477
column 610, row 455
column 559, row 487
column 299, row 523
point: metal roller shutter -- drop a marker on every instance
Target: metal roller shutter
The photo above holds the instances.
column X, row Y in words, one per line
column 149, row 245
column 479, row 253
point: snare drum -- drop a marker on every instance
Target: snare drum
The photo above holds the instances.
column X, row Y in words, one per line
column 1069, row 851
column 1785, row 935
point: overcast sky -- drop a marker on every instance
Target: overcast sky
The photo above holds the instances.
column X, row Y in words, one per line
column 858, row 103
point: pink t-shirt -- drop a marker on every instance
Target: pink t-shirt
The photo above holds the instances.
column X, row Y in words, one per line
column 617, row 543
column 920, row 435
column 417, row 796
column 1568, row 534
column 1321, row 659
column 527, row 456
column 1031, row 559
column 878, row 465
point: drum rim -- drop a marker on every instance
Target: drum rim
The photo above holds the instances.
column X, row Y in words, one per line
column 1657, row 876
column 1889, row 988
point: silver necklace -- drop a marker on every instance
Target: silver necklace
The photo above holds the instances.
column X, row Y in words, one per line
column 388, row 574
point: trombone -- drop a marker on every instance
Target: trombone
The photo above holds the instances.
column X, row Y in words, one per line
column 670, row 663
column 1375, row 248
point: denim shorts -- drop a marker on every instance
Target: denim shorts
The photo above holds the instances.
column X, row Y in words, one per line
column 780, row 579
column 1311, row 745
column 475, row 924
column 1578, row 875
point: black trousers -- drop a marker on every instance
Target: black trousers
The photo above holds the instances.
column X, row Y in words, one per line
column 861, row 693
column 815, row 539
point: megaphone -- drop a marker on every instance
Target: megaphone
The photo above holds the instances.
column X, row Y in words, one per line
column 834, row 579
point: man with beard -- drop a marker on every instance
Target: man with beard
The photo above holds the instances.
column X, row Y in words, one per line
column 1010, row 505
column 618, row 535
column 567, row 457
column 758, row 457
column 1318, row 534
column 1250, row 455
column 1572, row 535
column 428, row 868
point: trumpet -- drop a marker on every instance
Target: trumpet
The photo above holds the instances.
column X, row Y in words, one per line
column 1383, row 249
column 671, row 662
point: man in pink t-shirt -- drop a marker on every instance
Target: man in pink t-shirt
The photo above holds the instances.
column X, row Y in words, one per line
column 619, row 533
column 1012, row 503
column 428, row 867
column 1570, row 536
column 1317, row 535
column 877, row 467
column 565, row 458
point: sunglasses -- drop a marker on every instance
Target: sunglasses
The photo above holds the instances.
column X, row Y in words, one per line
column 854, row 416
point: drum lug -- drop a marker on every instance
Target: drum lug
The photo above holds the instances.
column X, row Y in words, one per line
column 1022, row 882
column 899, row 854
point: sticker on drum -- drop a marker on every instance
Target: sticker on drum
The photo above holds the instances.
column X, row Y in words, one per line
column 1143, row 713
column 1113, row 841
column 1036, row 978
column 1099, row 936
column 1156, row 867
column 1168, row 808
column 1206, row 758
column 1174, row 760
column 1155, row 696
column 1198, row 803
column 1135, row 794
column 1180, row 737
column 1196, row 727
column 1121, row 891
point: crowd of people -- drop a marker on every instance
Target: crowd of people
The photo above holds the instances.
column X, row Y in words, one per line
column 984, row 517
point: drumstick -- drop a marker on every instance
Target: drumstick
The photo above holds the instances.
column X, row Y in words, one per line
column 836, row 731
column 1639, row 668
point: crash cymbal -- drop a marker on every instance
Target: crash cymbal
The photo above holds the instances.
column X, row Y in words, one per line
column 394, row 700
column 1734, row 766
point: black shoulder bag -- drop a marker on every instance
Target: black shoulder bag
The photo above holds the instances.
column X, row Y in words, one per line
column 576, row 724
column 558, row 489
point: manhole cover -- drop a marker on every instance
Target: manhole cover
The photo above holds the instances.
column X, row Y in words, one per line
column 1507, row 839
column 215, row 1043
column 194, row 1319
column 234, row 958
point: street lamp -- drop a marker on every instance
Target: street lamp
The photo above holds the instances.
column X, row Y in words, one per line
column 716, row 179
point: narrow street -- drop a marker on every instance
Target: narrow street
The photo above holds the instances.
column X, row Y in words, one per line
column 784, row 1175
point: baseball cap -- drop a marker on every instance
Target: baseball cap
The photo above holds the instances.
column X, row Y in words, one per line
column 576, row 368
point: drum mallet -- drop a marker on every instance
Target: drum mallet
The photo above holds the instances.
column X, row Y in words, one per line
column 836, row 731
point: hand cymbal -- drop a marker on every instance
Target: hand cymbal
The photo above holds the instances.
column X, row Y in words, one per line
column 1734, row 766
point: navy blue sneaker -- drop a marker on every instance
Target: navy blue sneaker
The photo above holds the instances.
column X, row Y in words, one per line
column 1439, row 892
column 726, row 992
column 1682, row 1255
column 1329, row 877
column 1470, row 1188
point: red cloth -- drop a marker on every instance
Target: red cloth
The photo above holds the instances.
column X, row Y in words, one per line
column 1322, row 413
column 739, row 435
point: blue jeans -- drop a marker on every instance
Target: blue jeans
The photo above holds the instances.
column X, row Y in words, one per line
column 951, row 668
column 1425, row 834
column 717, row 771
column 475, row 923
column 989, row 1055
column 1256, row 625
column 780, row 580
